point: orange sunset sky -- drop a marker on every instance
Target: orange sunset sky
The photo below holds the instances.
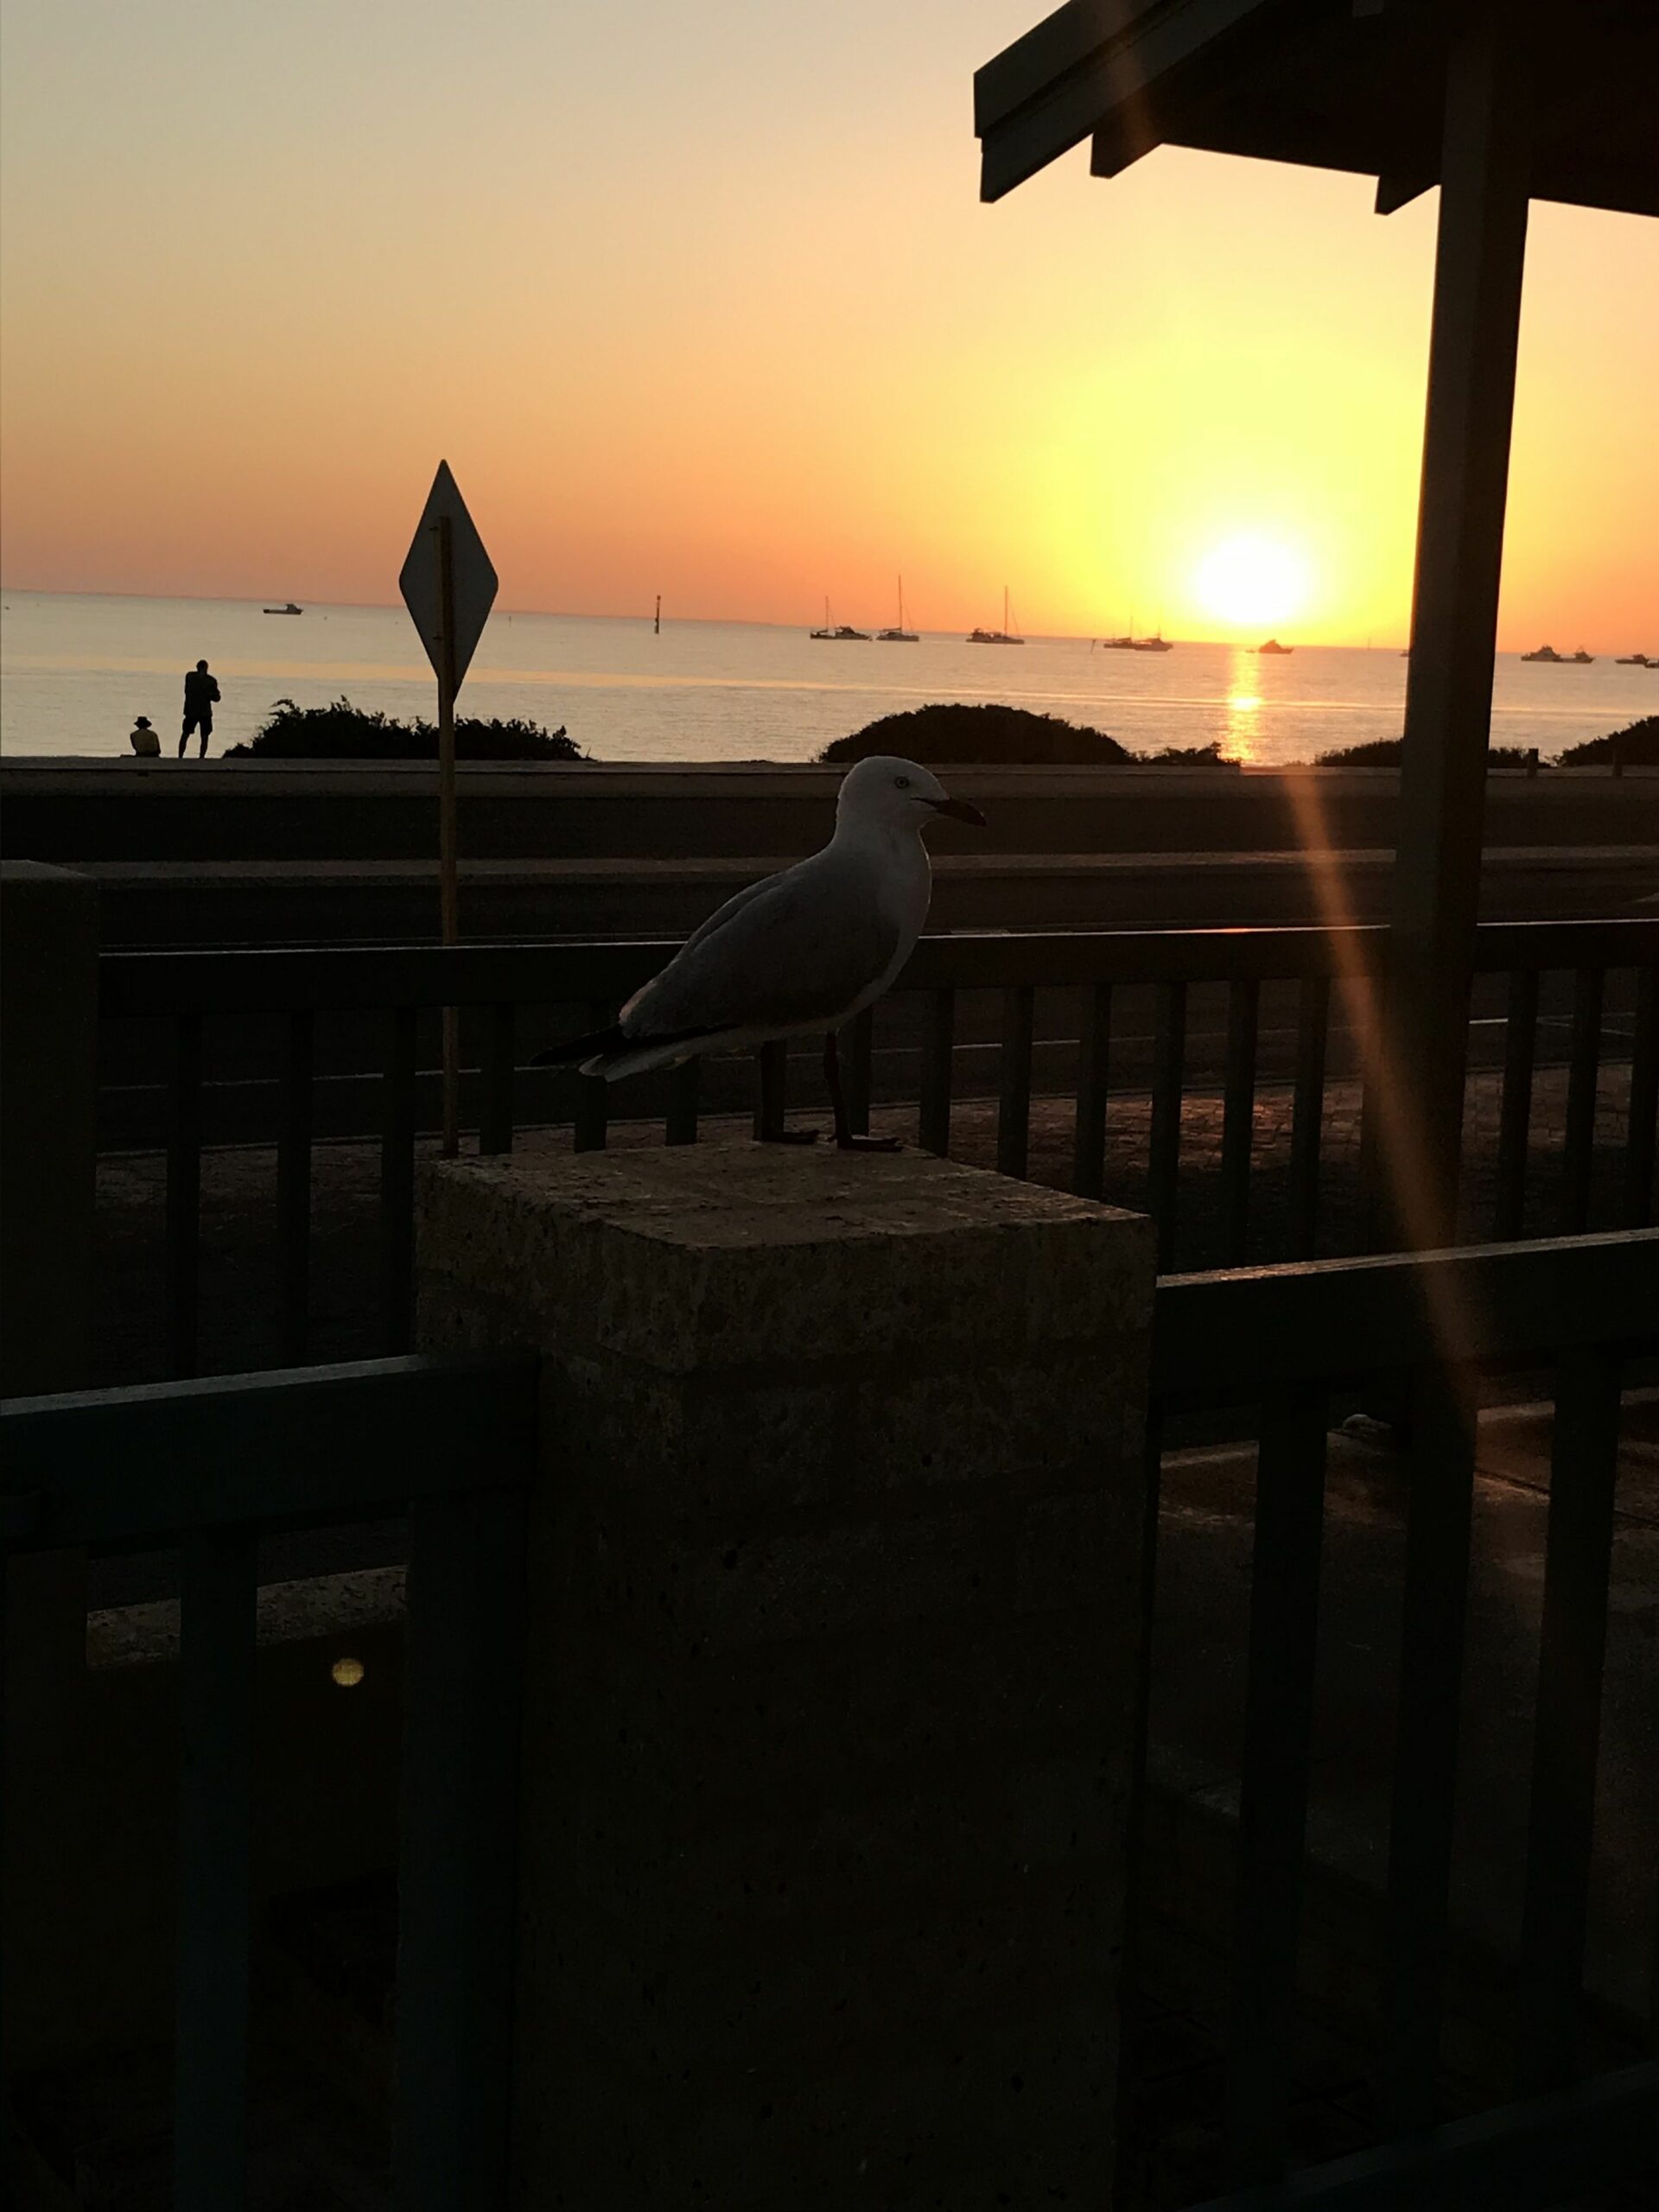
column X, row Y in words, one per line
column 701, row 300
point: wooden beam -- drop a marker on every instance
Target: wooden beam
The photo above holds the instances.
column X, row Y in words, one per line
column 1063, row 80
column 1394, row 193
column 1478, row 272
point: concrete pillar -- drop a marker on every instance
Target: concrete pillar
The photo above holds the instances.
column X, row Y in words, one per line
column 834, row 1582
column 49, row 1042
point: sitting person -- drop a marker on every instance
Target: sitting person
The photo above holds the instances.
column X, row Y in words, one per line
column 143, row 739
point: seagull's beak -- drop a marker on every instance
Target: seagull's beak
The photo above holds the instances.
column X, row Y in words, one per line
column 959, row 810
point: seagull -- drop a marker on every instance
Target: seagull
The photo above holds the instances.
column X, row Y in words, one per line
column 801, row 951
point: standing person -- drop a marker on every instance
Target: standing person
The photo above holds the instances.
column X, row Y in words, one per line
column 144, row 739
column 200, row 693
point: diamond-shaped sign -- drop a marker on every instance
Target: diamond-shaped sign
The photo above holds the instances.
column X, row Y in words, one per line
column 474, row 581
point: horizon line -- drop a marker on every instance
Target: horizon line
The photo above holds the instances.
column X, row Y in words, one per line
column 572, row 614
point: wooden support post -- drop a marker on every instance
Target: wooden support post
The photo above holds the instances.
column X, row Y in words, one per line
column 1478, row 272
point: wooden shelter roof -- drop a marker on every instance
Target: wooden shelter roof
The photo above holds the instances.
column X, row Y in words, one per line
column 1355, row 85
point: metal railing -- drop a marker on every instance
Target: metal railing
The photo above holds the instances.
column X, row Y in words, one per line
column 207, row 1466
column 1285, row 1340
column 1086, row 976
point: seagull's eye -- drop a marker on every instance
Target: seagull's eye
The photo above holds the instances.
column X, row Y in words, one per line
column 901, row 783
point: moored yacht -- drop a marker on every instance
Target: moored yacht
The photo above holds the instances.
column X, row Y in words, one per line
column 899, row 636
column 1002, row 637
column 838, row 630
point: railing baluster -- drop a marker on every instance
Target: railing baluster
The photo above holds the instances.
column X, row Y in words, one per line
column 216, row 1660
column 1014, row 1100
column 938, row 1039
column 495, row 1101
column 1164, row 1157
column 1094, row 1057
column 457, row 1868
column 1308, row 1118
column 1273, row 1787
column 1584, row 1459
column 860, row 1040
column 771, row 1085
column 1520, row 1044
column 1238, row 1114
column 681, row 1125
column 1644, row 1102
column 593, row 1109
column 1579, row 1154
column 397, row 1181
column 1378, row 1205
column 293, row 1185
column 1135, row 1821
column 1442, row 1458
column 184, row 1199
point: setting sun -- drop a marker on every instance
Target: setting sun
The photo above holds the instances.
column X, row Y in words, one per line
column 1251, row 580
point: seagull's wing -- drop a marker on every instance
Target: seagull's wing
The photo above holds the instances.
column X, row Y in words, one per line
column 716, row 921
column 790, row 952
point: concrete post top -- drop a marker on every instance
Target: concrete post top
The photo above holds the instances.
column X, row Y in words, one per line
column 44, row 874
column 697, row 1256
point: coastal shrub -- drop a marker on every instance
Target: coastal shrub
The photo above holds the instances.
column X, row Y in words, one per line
column 994, row 735
column 1637, row 741
column 341, row 731
column 1190, row 756
column 1384, row 753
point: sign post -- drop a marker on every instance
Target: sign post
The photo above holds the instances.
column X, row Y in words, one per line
column 448, row 587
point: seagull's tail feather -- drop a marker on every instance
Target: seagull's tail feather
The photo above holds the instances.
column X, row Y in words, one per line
column 596, row 1041
column 613, row 1054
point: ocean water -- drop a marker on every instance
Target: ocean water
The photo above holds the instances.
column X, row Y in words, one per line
column 75, row 671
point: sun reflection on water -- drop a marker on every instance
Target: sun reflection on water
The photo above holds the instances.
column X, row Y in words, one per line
column 1239, row 730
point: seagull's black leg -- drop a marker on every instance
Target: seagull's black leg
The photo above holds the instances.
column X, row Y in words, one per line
column 769, row 1111
column 844, row 1138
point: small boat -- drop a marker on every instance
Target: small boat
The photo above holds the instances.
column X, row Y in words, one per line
column 1583, row 658
column 899, row 636
column 838, row 630
column 1273, row 646
column 1002, row 637
column 1158, row 642
column 290, row 609
column 1633, row 660
column 1545, row 652
column 1115, row 644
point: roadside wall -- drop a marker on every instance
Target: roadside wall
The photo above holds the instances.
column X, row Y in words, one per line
column 130, row 810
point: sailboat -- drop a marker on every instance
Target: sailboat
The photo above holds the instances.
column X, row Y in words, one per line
column 1002, row 637
column 1129, row 642
column 838, row 630
column 900, row 636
